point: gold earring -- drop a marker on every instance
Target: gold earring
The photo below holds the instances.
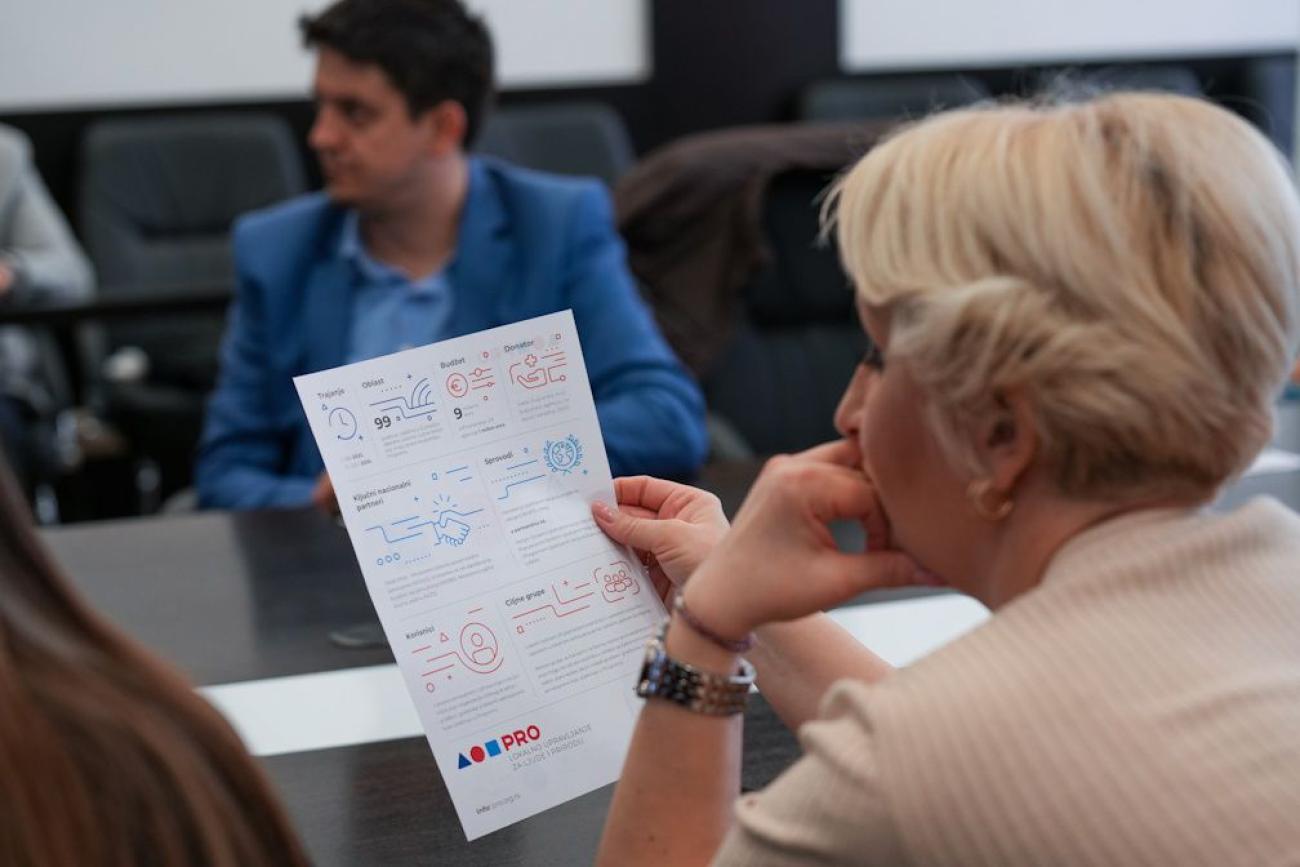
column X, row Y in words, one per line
column 978, row 493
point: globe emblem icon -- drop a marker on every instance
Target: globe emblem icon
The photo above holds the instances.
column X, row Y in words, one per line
column 563, row 455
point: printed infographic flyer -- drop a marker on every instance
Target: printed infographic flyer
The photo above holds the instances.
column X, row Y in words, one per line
column 465, row 471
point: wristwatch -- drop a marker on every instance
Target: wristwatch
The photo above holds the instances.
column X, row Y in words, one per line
column 699, row 691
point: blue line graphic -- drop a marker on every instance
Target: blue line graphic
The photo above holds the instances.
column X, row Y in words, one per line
column 398, row 405
column 520, row 482
column 524, row 464
column 440, row 525
column 420, row 401
column 445, row 512
column 423, row 393
column 383, row 532
column 456, row 470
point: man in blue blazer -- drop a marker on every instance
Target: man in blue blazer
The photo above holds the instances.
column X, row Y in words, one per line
column 413, row 241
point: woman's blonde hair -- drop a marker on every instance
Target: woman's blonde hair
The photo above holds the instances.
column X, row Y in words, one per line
column 1129, row 263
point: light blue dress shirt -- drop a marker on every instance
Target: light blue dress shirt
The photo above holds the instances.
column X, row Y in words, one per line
column 390, row 311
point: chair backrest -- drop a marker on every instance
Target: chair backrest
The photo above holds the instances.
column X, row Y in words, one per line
column 158, row 196
column 1268, row 97
column 578, row 138
column 794, row 351
column 887, row 97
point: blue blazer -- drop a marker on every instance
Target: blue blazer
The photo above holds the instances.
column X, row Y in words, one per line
column 529, row 244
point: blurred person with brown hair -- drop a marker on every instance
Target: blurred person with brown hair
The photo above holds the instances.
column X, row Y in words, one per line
column 107, row 755
column 1082, row 314
column 40, row 261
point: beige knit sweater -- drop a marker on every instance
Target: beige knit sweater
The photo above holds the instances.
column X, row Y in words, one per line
column 1141, row 706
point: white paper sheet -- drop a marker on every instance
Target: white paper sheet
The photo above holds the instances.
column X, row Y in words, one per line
column 465, row 471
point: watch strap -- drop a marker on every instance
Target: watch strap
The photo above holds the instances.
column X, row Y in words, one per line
column 693, row 688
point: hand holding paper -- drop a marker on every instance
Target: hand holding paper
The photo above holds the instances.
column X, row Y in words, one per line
column 465, row 473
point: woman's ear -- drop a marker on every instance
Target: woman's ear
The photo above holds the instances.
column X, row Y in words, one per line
column 1007, row 440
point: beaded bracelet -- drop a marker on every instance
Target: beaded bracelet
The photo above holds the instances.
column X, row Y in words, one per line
column 731, row 644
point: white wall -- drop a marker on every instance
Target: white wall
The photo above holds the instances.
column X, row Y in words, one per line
column 934, row 34
column 80, row 53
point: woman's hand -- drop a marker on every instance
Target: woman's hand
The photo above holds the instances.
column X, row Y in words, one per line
column 671, row 527
column 779, row 561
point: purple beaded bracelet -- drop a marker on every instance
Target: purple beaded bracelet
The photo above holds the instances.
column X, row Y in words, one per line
column 741, row 646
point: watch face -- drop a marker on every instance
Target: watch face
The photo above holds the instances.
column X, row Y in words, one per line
column 664, row 678
column 648, row 673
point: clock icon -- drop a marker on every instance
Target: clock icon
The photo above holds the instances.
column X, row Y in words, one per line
column 343, row 423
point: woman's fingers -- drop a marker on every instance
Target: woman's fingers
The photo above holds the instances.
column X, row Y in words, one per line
column 821, row 491
column 824, row 491
column 646, row 491
column 876, row 526
column 834, row 578
column 637, row 511
column 841, row 452
column 780, row 561
column 883, row 570
column 848, row 494
column 844, row 494
column 642, row 533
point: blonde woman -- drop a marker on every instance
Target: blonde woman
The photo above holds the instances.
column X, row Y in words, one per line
column 1084, row 312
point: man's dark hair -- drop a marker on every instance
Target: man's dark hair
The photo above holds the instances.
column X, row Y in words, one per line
column 431, row 50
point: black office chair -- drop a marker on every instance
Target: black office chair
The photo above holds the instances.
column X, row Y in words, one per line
column 798, row 339
column 578, row 138
column 1268, row 98
column 158, row 197
column 887, row 97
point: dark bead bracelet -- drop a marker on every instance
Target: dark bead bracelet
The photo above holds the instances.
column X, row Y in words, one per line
column 735, row 646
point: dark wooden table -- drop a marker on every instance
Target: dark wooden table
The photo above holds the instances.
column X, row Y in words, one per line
column 385, row 803
column 226, row 596
column 244, row 596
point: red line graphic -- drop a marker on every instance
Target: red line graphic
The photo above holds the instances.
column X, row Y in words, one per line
column 422, row 649
column 574, row 599
column 461, row 660
column 553, row 608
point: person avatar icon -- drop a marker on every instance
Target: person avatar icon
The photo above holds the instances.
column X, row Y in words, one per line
column 479, row 645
